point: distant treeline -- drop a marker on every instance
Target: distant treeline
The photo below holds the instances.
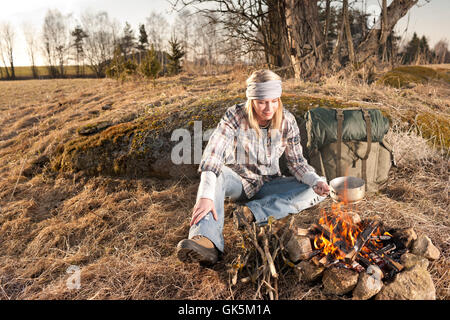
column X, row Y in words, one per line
column 42, row 72
column 307, row 39
column 95, row 46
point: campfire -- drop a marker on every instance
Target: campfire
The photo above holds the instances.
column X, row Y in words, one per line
column 364, row 258
column 340, row 238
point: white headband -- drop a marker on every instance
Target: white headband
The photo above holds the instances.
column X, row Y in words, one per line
column 264, row 90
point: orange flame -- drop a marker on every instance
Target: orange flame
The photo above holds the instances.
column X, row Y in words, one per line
column 343, row 233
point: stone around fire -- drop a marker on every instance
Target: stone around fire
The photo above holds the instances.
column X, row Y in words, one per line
column 339, row 281
column 308, row 271
column 412, row 284
column 406, row 236
column 425, row 248
column 409, row 260
column 298, row 248
column 368, row 286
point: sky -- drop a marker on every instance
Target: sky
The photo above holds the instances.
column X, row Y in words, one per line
column 429, row 19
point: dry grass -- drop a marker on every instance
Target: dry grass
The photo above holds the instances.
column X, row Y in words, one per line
column 122, row 232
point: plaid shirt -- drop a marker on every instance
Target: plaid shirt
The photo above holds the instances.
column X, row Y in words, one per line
column 256, row 159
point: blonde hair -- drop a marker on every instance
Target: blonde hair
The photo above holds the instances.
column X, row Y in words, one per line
column 258, row 77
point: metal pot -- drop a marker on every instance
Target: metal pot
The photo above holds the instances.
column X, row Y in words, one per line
column 347, row 189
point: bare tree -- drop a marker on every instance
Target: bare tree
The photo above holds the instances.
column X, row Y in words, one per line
column 307, row 45
column 158, row 32
column 7, row 36
column 183, row 30
column 32, row 46
column 56, row 41
column 441, row 51
column 256, row 24
column 373, row 40
column 290, row 33
column 5, row 64
column 204, row 47
column 102, row 37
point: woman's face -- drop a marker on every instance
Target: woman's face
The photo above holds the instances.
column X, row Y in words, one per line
column 265, row 109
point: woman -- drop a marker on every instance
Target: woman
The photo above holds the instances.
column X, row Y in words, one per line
column 260, row 130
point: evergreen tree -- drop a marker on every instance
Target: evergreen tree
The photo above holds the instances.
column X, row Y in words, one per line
column 116, row 67
column 127, row 42
column 150, row 65
column 175, row 56
column 143, row 38
column 424, row 50
column 412, row 49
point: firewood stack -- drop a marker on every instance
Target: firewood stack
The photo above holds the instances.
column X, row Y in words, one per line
column 263, row 251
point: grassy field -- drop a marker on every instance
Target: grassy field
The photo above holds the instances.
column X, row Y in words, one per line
column 122, row 232
column 26, row 72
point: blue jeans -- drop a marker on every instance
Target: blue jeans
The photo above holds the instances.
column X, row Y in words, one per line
column 278, row 198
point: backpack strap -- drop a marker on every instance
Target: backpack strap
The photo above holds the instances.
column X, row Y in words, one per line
column 340, row 120
column 366, row 116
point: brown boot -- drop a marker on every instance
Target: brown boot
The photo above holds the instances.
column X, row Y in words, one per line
column 198, row 249
column 245, row 213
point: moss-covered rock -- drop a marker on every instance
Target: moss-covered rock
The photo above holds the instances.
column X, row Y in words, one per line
column 93, row 128
column 435, row 127
column 299, row 105
column 407, row 76
column 141, row 148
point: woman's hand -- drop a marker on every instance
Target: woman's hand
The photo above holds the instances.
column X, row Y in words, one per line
column 201, row 209
column 322, row 188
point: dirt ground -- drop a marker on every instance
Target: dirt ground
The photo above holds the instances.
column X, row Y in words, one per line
column 121, row 233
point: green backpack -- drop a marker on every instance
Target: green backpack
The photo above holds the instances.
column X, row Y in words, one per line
column 347, row 142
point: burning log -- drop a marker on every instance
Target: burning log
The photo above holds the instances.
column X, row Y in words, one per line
column 364, row 261
column 386, row 249
column 325, row 232
column 318, row 228
column 357, row 267
column 381, row 238
column 377, row 259
column 332, row 263
column 362, row 239
column 315, row 260
column 385, row 258
column 393, row 264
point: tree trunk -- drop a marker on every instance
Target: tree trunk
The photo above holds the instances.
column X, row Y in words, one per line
column 370, row 45
column 305, row 38
column 34, row 71
column 274, row 34
column 13, row 73
column 384, row 31
column 327, row 21
column 6, row 67
column 348, row 33
column 335, row 61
